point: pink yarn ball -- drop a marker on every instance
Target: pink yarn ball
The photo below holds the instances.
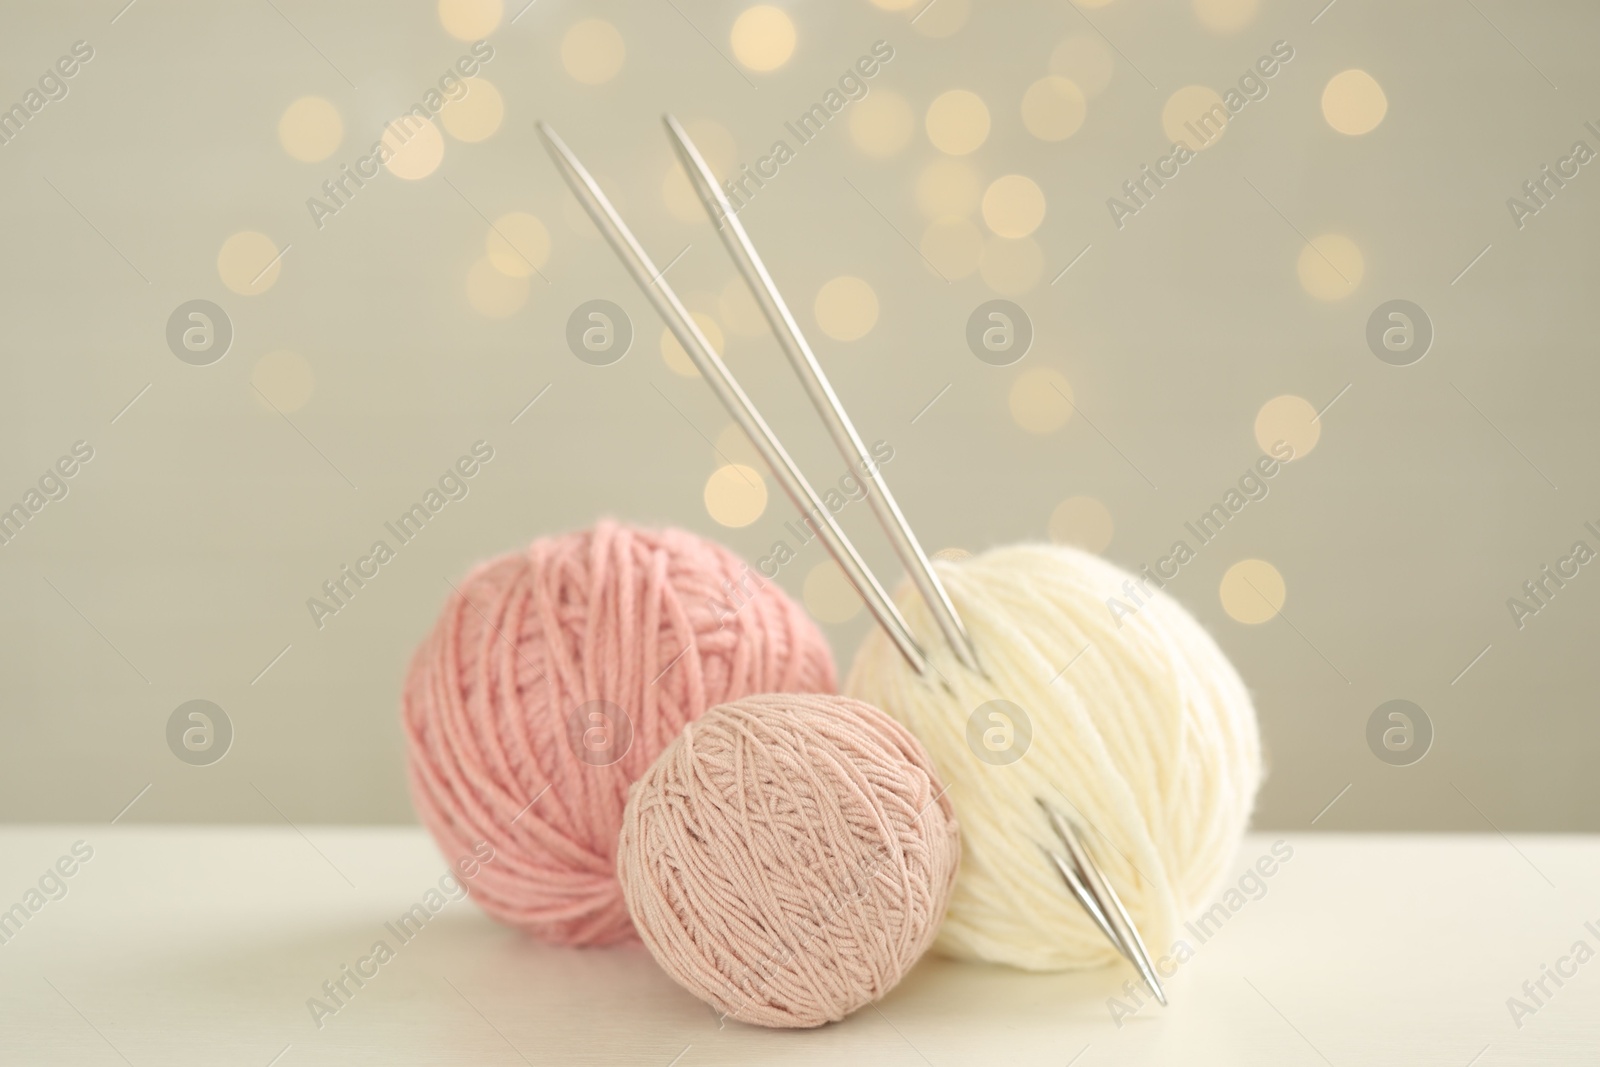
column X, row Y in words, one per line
column 789, row 857
column 556, row 678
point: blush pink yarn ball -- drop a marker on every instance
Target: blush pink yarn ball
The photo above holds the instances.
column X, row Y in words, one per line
column 789, row 857
column 555, row 678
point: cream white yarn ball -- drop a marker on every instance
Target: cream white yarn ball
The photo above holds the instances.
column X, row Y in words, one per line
column 1149, row 737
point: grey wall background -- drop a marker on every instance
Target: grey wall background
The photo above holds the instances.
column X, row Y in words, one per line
column 178, row 565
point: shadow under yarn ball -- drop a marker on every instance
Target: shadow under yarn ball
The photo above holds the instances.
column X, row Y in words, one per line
column 789, row 858
column 551, row 681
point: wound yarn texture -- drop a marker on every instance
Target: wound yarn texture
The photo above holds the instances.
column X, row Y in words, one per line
column 789, row 857
column 553, row 679
column 1149, row 736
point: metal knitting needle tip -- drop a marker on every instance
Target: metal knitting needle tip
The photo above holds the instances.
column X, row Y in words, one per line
column 1081, row 892
column 1124, row 934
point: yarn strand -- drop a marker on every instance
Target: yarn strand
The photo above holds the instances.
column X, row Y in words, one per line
column 495, row 696
column 1149, row 739
column 789, row 858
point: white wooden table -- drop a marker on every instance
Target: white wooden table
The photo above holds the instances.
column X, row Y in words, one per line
column 176, row 946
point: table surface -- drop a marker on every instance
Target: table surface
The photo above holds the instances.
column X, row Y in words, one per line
column 178, row 945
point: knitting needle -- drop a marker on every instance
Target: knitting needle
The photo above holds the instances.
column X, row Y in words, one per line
column 739, row 405
column 823, row 398
column 1126, row 937
column 1092, row 890
column 1075, row 883
column 733, row 398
